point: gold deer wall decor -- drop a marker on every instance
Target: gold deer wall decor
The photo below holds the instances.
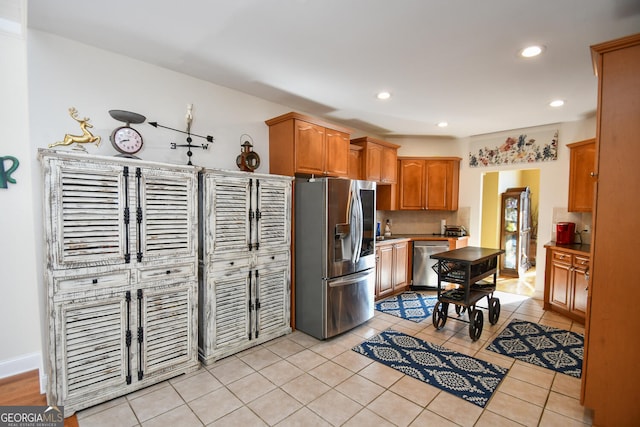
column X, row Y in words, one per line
column 85, row 138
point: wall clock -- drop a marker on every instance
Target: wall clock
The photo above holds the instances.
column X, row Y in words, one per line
column 126, row 139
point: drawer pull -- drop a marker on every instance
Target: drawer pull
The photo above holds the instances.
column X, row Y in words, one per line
column 168, row 271
column 94, row 281
column 231, row 263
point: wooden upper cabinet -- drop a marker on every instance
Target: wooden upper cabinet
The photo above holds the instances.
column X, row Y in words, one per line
column 379, row 159
column 355, row 162
column 300, row 144
column 429, row 183
column 581, row 175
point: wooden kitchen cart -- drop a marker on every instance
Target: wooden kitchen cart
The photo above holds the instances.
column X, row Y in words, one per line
column 467, row 267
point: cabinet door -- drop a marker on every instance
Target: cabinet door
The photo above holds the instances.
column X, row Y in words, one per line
column 273, row 213
column 560, row 284
column 581, row 182
column 86, row 213
column 169, row 226
column 229, row 317
column 579, row 292
column 389, row 165
column 310, row 148
column 272, row 297
column 337, row 153
column 373, row 166
column 167, row 323
column 385, row 270
column 355, row 164
column 400, row 261
column 439, row 184
column 226, row 215
column 91, row 352
column 412, row 184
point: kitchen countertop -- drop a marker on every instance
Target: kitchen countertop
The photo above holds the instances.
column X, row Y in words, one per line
column 429, row 237
column 579, row 248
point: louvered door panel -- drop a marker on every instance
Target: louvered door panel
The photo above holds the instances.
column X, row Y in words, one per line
column 274, row 204
column 227, row 216
column 169, row 326
column 273, row 293
column 168, row 214
column 89, row 216
column 93, row 343
column 230, row 316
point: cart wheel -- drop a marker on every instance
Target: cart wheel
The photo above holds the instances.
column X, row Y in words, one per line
column 475, row 325
column 440, row 314
column 494, row 310
column 460, row 309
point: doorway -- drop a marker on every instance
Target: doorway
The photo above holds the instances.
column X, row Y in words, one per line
column 493, row 185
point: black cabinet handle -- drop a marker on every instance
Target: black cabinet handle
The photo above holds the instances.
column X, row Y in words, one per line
column 94, row 281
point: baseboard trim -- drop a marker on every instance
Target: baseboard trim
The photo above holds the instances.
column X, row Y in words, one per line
column 24, row 363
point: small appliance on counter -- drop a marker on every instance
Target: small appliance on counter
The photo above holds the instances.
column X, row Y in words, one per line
column 565, row 233
column 455, row 231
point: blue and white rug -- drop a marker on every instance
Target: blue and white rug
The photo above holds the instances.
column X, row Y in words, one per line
column 541, row 345
column 464, row 376
column 408, row 305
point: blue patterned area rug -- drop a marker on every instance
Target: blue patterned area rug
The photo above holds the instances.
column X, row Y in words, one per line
column 541, row 345
column 408, row 305
column 464, row 376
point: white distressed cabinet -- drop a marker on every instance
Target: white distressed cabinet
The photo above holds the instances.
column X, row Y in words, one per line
column 121, row 275
column 245, row 275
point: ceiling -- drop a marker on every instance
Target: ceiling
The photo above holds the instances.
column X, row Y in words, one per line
column 442, row 60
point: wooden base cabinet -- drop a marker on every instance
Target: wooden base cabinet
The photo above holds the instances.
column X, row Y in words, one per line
column 566, row 282
column 245, row 273
column 121, row 275
column 392, row 259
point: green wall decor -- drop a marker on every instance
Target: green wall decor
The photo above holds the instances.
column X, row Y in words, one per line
column 5, row 174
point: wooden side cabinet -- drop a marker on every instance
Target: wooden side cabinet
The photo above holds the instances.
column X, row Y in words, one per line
column 300, row 144
column 566, row 282
column 355, row 162
column 581, row 175
column 392, row 260
column 429, row 183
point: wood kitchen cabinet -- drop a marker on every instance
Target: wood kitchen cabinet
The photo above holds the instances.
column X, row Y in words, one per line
column 581, row 175
column 610, row 374
column 300, row 144
column 392, row 260
column 428, row 183
column 379, row 160
column 566, row 281
column 355, row 162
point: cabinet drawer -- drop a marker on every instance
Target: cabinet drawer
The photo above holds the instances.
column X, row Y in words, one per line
column 581, row 261
column 277, row 257
column 167, row 272
column 563, row 257
column 91, row 281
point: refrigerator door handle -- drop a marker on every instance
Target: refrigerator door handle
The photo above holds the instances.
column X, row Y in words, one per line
column 357, row 230
column 350, row 279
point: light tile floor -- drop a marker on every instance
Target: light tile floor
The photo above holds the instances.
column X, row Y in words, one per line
column 297, row 380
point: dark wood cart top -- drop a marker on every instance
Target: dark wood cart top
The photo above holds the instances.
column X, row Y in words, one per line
column 468, row 255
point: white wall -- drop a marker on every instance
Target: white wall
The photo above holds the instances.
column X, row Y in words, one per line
column 19, row 308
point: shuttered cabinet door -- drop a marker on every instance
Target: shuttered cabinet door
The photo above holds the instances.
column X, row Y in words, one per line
column 91, row 349
column 86, row 213
column 227, row 207
column 230, row 320
column 272, row 283
column 166, row 215
column 273, row 225
column 167, row 329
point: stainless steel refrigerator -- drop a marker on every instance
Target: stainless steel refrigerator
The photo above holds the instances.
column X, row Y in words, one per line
column 334, row 254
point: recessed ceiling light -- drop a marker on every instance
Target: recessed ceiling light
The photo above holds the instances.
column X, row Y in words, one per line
column 384, row 95
column 557, row 103
column 443, row 124
column 531, row 51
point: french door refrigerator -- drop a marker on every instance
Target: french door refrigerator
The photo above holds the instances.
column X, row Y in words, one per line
column 334, row 254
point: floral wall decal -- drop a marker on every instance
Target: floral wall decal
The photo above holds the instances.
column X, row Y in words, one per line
column 519, row 149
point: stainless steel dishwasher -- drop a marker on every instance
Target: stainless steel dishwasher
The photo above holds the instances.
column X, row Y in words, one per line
column 423, row 275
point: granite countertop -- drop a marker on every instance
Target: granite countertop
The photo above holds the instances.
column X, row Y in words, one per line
column 573, row 247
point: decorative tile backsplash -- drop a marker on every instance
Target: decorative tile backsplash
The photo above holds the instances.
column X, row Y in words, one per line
column 423, row 222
